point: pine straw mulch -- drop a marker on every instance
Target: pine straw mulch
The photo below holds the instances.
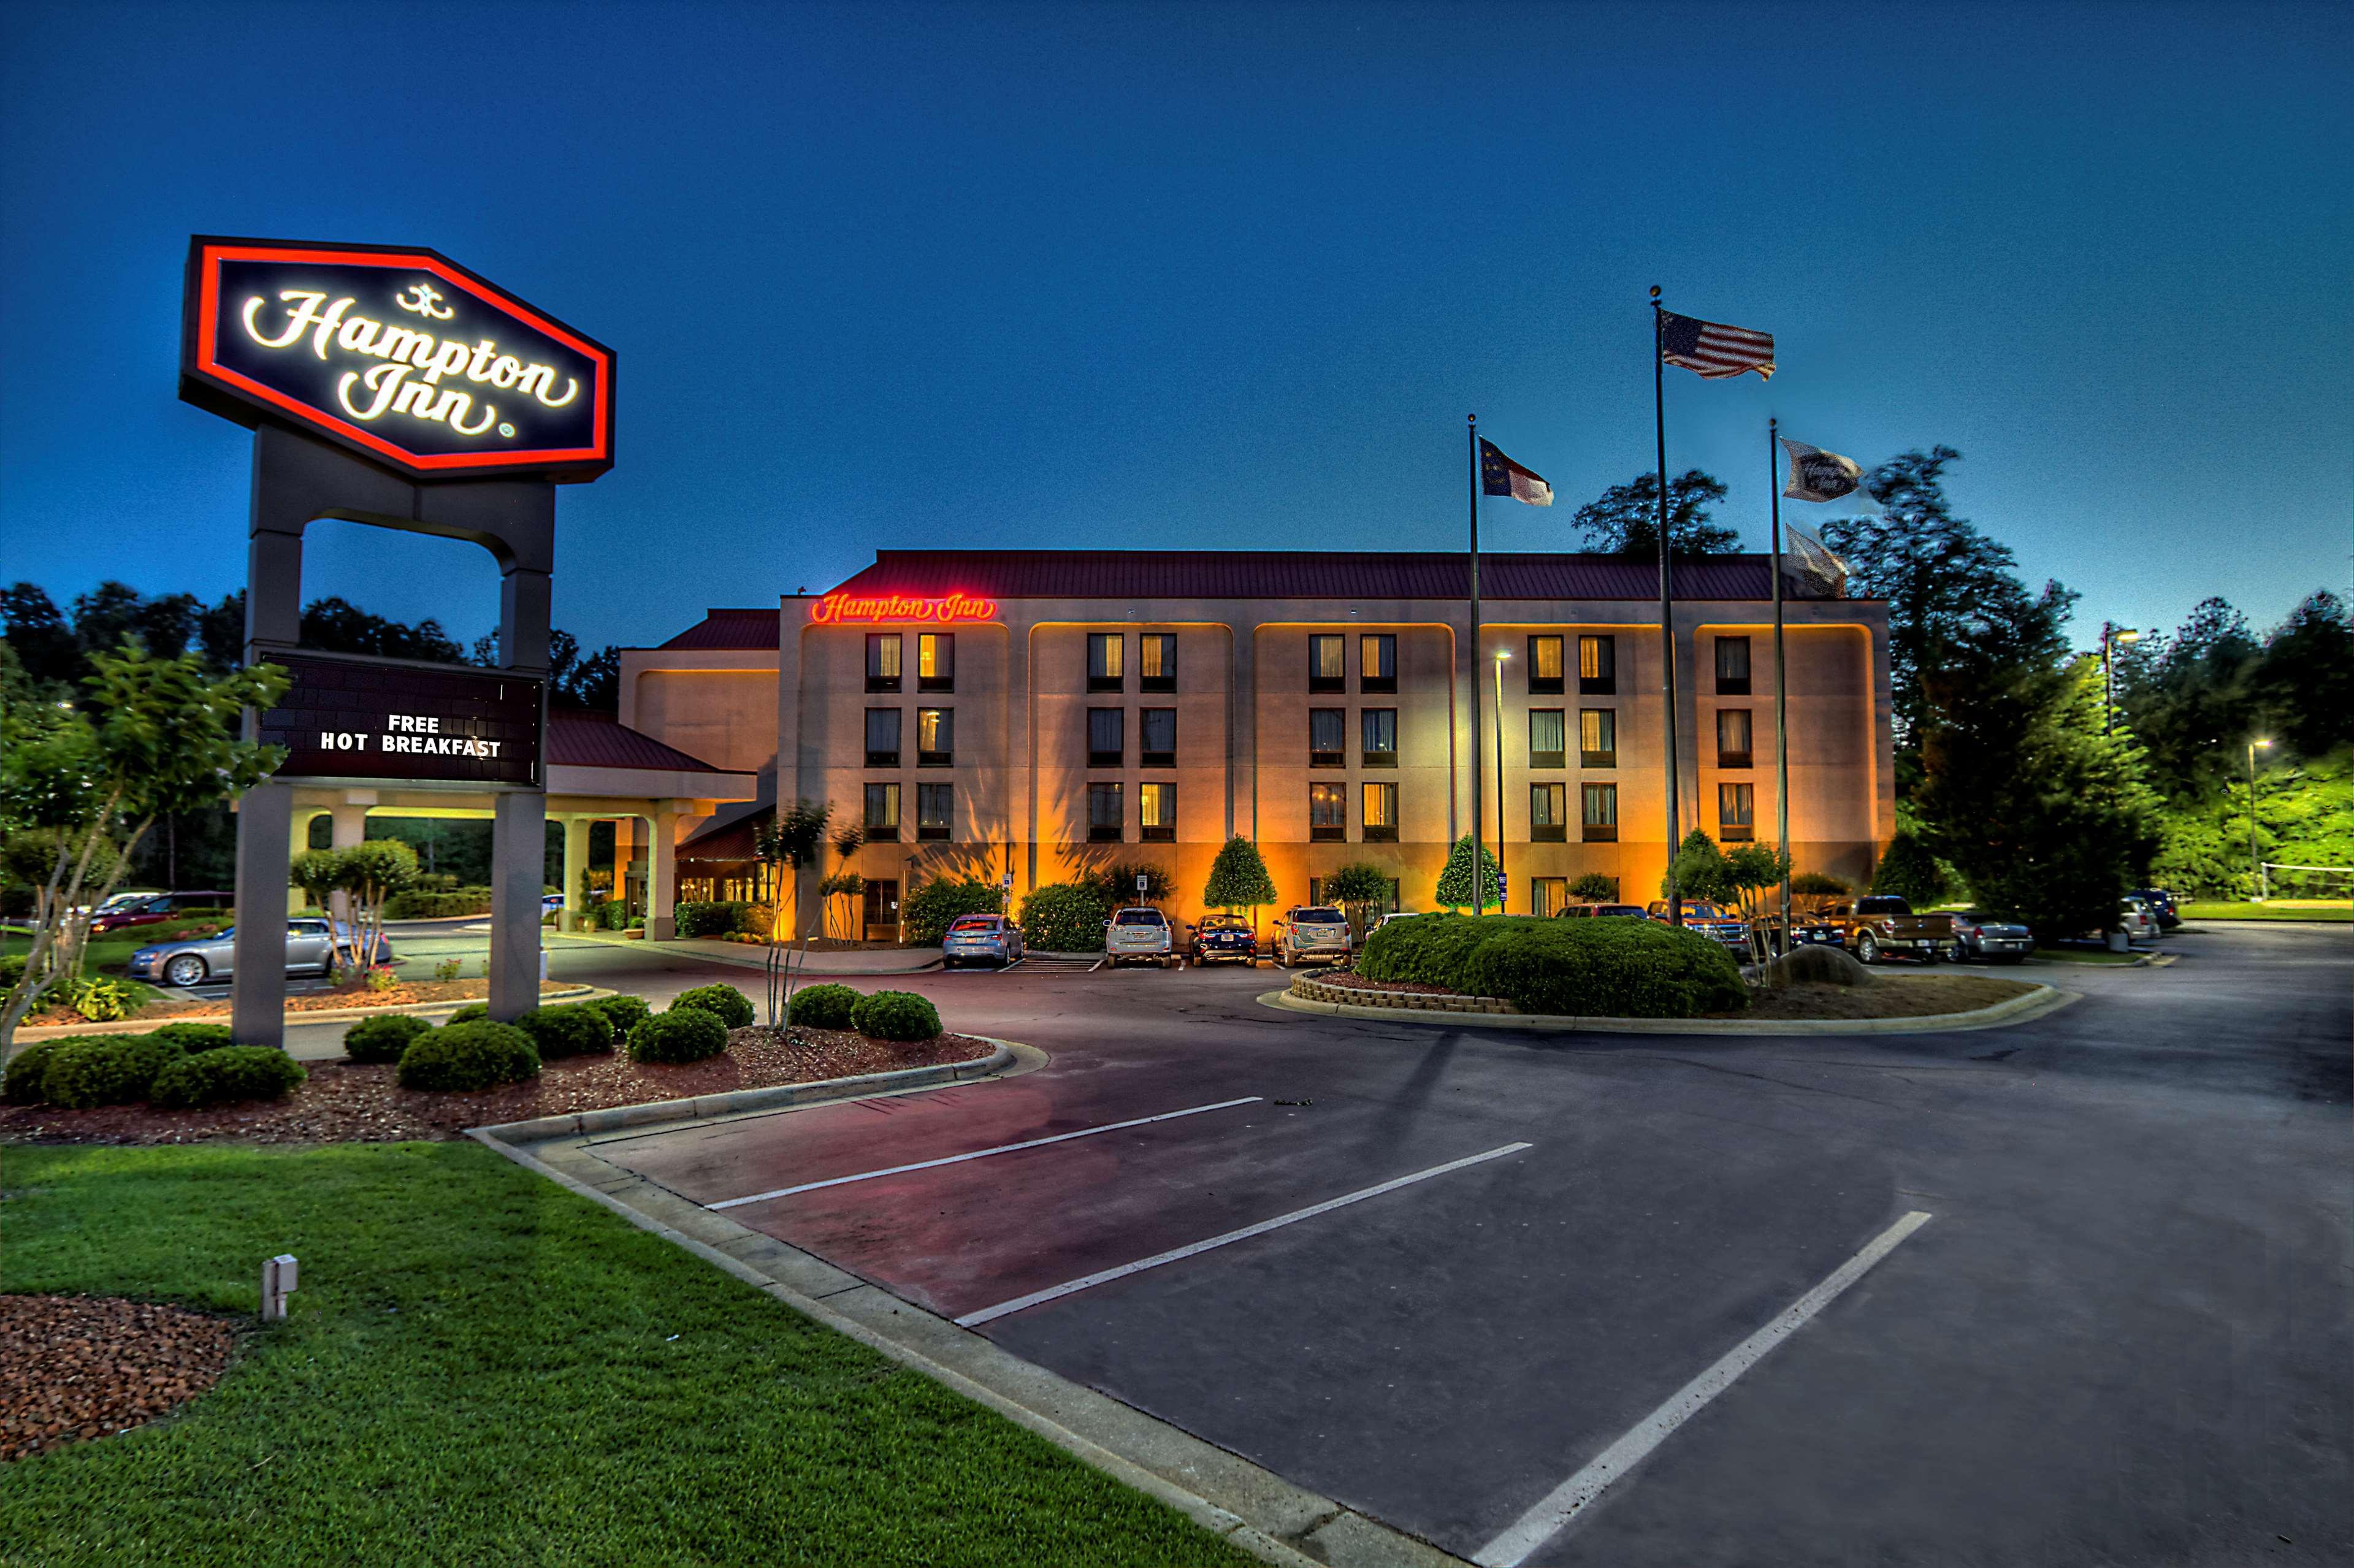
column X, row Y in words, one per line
column 351, row 1102
column 77, row 1367
column 1355, row 981
column 1882, row 996
column 354, row 993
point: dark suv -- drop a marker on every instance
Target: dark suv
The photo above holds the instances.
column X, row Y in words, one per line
column 2161, row 904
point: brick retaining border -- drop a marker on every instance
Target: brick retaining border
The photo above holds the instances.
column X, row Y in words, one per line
column 1311, row 990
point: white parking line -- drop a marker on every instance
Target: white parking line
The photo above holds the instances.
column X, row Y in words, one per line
column 1565, row 1502
column 1071, row 1287
column 981, row 1153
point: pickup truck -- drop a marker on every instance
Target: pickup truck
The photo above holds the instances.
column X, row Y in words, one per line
column 1875, row 927
column 1720, row 924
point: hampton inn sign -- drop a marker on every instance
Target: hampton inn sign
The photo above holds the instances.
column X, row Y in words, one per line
column 400, row 354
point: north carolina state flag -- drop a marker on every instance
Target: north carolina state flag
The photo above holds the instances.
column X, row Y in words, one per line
column 1499, row 475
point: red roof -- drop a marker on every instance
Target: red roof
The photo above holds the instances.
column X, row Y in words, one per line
column 752, row 628
column 1290, row 574
column 600, row 740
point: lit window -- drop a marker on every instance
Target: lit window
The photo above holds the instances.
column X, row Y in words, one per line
column 1737, row 807
column 1544, row 666
column 1547, row 742
column 1597, row 667
column 1106, row 661
column 1156, row 812
column 882, row 811
column 1548, row 813
column 1328, row 812
column 1326, row 669
column 883, row 662
column 936, row 662
column 1377, row 661
column 933, row 804
column 1733, row 737
column 1156, row 662
column 1381, row 813
column 1380, row 736
column 1597, row 738
column 935, row 737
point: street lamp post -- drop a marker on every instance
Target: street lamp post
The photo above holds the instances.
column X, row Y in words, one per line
column 2255, row 866
column 1502, row 906
column 2112, row 634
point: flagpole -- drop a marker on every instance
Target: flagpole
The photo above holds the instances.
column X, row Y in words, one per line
column 1781, row 687
column 1667, row 605
column 1479, row 891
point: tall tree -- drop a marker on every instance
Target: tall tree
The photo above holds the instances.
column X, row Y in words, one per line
column 1625, row 519
column 2303, row 685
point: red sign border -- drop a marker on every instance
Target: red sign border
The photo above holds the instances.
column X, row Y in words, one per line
column 207, row 383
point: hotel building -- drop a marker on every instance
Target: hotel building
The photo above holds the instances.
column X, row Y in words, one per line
column 1045, row 715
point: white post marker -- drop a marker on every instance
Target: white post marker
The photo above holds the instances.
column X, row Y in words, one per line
column 1567, row 1501
column 278, row 1280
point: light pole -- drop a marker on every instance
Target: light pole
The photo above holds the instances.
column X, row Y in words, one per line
column 2255, row 866
column 2111, row 634
column 1501, row 907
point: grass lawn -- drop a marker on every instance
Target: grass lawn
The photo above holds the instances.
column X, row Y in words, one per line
column 2278, row 909
column 480, row 1367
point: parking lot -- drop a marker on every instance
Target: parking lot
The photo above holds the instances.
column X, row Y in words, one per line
column 2070, row 1291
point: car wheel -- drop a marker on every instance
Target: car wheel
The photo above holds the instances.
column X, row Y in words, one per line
column 185, row 970
column 1867, row 950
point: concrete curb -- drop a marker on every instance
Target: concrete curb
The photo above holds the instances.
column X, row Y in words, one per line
column 319, row 1015
column 2043, row 999
column 751, row 961
column 1254, row 1508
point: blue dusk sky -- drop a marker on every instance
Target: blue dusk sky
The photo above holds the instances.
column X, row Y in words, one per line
column 1198, row 277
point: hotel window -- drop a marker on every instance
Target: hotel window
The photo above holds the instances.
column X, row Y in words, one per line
column 1601, row 817
column 933, row 803
column 1544, row 666
column 1548, row 813
column 1597, row 738
column 936, row 662
column 1379, row 733
column 1736, row 812
column 882, row 661
column 935, row 737
column 1548, row 737
column 1106, row 737
column 1733, row 737
column 1548, row 895
column 1326, row 727
column 1381, row 813
column 1106, row 662
column 1156, row 812
column 1597, row 667
column 1377, row 661
column 1105, row 814
column 882, row 737
column 882, row 813
column 1733, row 666
column 1156, row 662
column 1328, row 813
column 1327, row 668
column 1157, row 733
column 882, row 908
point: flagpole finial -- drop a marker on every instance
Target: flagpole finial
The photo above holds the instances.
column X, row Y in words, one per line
column 1772, row 423
column 1655, row 290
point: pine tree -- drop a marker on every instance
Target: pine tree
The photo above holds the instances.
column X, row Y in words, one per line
column 1455, row 886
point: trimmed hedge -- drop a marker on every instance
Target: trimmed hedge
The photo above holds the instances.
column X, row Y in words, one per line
column 104, row 1069
column 224, row 1075
column 567, row 1031
column 418, row 904
column 823, row 1007
column 473, row 1011
column 623, row 1012
column 22, row 1086
column 708, row 919
column 896, row 1015
column 1623, row 969
column 725, row 1003
column 383, row 1039
column 194, row 1038
column 682, row 1035
column 476, row 1056
column 930, row 909
column 1065, row 917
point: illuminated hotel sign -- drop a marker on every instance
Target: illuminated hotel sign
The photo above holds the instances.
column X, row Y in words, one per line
column 353, row 718
column 401, row 354
column 837, row 608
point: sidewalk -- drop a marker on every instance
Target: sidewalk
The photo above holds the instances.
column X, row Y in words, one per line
column 742, row 955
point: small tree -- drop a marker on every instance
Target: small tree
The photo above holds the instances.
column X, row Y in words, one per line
column 1456, row 888
column 1910, row 871
column 789, row 841
column 368, row 873
column 1697, row 872
column 848, row 840
column 1357, row 887
column 1751, row 871
column 1594, row 888
column 1238, row 879
column 317, row 872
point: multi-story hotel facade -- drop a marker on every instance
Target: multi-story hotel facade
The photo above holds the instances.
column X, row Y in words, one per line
column 1043, row 716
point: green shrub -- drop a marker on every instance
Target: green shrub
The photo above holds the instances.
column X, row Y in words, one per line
column 682, row 1035
column 104, row 1069
column 449, row 969
column 1819, row 884
column 473, row 1011
column 12, row 970
column 930, row 909
column 623, row 1012
column 1628, row 968
column 613, row 915
column 823, row 1007
column 384, row 1038
column 223, row 1076
column 102, row 999
column 1595, row 887
column 420, row 904
column 196, row 1038
column 1909, row 871
column 700, row 919
column 896, row 1015
column 475, row 1055
column 22, row 1087
column 1065, row 917
column 570, row 1031
column 725, row 1003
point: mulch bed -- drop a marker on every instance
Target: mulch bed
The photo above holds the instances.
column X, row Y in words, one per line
column 352, row 1102
column 1356, row 982
column 354, row 994
column 1883, row 996
column 77, row 1367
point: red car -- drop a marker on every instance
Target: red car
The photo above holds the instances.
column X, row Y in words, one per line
column 126, row 909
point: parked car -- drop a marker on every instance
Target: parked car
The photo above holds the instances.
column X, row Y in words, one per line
column 1990, row 938
column 309, row 951
column 1226, row 939
column 2137, row 920
column 973, row 937
column 1140, row 933
column 1875, row 927
column 1310, row 931
column 1632, row 911
column 1719, row 924
column 128, row 909
column 1396, row 915
column 2161, row 904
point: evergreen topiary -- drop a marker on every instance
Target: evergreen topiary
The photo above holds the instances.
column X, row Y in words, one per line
column 384, row 1038
column 22, row 1086
column 623, row 1012
column 823, row 1007
column 479, row 1055
column 104, row 1069
column 1595, row 887
column 194, row 1038
column 725, row 1003
column 1455, row 889
column 1238, row 878
column 1910, row 871
column 896, row 1015
column 573, row 1031
column 682, row 1035
column 224, row 1075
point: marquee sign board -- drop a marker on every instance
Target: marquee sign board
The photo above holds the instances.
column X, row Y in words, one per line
column 399, row 354
column 347, row 719
column 836, row 608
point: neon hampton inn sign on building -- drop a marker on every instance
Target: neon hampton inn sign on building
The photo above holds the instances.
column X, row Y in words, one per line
column 399, row 354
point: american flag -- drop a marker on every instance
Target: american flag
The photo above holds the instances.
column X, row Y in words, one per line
column 1713, row 349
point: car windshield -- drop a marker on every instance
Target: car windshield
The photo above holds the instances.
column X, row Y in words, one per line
column 975, row 923
column 1616, row 909
column 1138, row 917
column 1318, row 917
column 1226, row 923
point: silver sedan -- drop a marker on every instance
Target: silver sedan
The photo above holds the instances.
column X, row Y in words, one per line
column 309, row 951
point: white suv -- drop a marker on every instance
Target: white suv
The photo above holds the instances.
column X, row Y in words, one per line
column 1310, row 931
column 1140, row 933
